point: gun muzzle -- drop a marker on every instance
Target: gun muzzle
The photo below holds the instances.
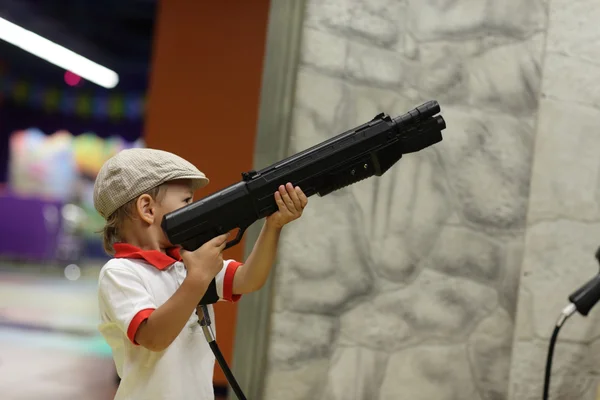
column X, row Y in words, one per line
column 441, row 122
column 428, row 109
column 421, row 113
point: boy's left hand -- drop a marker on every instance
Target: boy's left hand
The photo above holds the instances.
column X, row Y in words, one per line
column 291, row 202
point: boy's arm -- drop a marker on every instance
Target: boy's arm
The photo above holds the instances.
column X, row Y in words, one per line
column 253, row 274
column 128, row 304
column 166, row 322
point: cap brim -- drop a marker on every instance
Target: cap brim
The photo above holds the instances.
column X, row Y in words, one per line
column 198, row 182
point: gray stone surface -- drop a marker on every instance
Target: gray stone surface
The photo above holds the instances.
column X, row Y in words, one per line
column 558, row 259
column 297, row 338
column 490, row 172
column 571, row 376
column 433, row 20
column 405, row 286
column 307, row 381
column 418, row 374
column 489, row 351
column 362, row 382
column 563, row 216
column 480, row 258
column 566, row 172
column 573, row 29
column 571, row 80
column 441, row 307
column 342, row 274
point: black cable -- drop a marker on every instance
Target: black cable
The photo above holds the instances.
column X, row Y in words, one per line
column 210, row 338
column 566, row 313
column 582, row 301
column 549, row 362
column 228, row 374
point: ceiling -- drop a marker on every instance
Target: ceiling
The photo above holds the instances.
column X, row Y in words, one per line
column 114, row 33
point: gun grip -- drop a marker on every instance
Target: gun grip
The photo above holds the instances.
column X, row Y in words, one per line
column 237, row 238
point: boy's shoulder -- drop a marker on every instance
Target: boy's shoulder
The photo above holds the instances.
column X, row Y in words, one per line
column 119, row 264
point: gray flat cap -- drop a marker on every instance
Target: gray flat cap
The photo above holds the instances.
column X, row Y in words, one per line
column 132, row 172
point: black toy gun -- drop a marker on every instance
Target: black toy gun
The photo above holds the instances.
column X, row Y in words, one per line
column 367, row 150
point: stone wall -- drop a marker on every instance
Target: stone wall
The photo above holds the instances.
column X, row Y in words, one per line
column 405, row 286
column 564, row 213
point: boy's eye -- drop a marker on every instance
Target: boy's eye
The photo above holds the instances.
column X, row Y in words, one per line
column 188, row 200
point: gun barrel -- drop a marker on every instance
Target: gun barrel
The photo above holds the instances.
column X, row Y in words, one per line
column 424, row 111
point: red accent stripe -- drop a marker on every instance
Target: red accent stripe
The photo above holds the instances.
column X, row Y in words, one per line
column 228, row 282
column 135, row 323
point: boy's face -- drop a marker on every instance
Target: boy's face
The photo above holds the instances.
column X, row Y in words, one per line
column 177, row 195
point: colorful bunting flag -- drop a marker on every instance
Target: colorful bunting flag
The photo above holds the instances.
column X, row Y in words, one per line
column 112, row 105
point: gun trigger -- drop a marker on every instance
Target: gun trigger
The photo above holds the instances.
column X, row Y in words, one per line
column 237, row 238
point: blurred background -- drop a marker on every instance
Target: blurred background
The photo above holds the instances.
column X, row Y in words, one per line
column 442, row 279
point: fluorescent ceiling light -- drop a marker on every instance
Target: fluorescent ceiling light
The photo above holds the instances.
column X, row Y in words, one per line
column 57, row 55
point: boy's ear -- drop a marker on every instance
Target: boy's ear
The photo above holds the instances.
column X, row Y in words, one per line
column 145, row 208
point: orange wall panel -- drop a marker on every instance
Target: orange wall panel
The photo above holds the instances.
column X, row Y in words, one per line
column 204, row 99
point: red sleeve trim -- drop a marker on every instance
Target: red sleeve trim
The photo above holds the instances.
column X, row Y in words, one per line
column 135, row 323
column 228, row 282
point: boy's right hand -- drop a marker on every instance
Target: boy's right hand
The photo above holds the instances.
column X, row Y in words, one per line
column 206, row 261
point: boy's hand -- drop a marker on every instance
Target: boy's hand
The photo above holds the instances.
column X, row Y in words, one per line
column 291, row 202
column 206, row 261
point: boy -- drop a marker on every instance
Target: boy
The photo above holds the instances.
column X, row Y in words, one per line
column 148, row 292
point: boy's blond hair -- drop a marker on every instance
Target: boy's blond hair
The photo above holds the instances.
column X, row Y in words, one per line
column 115, row 222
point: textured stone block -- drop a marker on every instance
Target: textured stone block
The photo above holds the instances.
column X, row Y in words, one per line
column 507, row 77
column 440, row 306
column 379, row 23
column 412, row 276
column 559, row 258
column 489, row 349
column 488, row 164
column 376, row 22
column 437, row 70
column 425, row 373
column 571, row 378
column 316, row 113
column 403, row 240
column 297, row 338
column 326, row 262
column 321, row 95
column 508, row 289
column 573, row 29
column 333, row 15
column 566, row 173
column 571, row 80
column 377, row 67
column 435, row 20
column 524, row 317
column 324, row 51
column 305, row 382
column 355, row 373
column 481, row 259
column 376, row 325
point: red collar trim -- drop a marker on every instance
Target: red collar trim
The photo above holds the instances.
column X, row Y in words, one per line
column 155, row 258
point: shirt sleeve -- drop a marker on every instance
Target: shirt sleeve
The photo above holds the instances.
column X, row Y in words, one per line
column 127, row 303
column 224, row 281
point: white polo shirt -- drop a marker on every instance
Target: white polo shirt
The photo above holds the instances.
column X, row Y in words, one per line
column 131, row 286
